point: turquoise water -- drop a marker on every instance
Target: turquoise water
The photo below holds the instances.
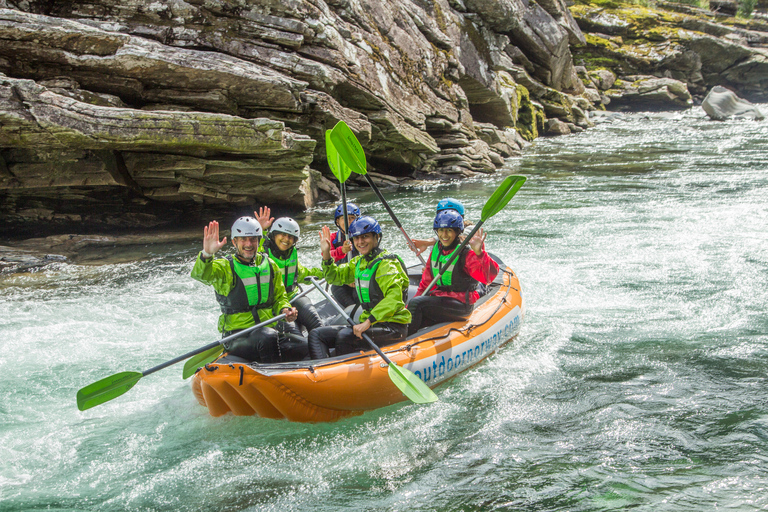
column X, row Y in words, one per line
column 638, row 380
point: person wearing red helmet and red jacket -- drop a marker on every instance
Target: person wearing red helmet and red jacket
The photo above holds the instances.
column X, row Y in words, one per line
column 340, row 247
column 453, row 295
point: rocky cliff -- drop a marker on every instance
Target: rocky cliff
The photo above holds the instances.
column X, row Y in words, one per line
column 138, row 114
column 162, row 111
column 679, row 48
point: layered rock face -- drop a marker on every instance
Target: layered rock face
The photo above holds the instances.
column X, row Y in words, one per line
column 138, row 114
column 686, row 46
column 161, row 112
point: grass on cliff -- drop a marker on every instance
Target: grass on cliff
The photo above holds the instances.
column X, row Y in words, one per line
column 746, row 7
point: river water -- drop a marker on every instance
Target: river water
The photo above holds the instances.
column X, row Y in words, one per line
column 638, row 380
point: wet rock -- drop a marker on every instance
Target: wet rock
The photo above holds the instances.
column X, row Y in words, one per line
column 650, row 93
column 727, row 7
column 682, row 43
column 721, row 103
column 603, row 79
column 557, row 127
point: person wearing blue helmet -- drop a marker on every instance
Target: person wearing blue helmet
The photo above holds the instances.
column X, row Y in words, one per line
column 448, row 203
column 381, row 285
column 454, row 294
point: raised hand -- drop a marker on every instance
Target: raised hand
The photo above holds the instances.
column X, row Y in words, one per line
column 325, row 243
column 211, row 243
column 263, row 216
column 422, row 245
column 477, row 241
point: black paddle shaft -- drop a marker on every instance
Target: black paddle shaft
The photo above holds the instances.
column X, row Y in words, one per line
column 393, row 216
column 222, row 341
column 349, row 320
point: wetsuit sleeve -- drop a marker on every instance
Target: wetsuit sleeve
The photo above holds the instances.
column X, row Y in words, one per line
column 481, row 268
column 303, row 273
column 340, row 274
column 392, row 280
column 213, row 272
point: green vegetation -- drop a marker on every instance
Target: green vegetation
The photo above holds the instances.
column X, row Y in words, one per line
column 530, row 120
column 746, row 7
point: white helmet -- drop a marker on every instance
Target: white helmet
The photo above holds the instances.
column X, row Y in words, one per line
column 286, row 225
column 246, row 226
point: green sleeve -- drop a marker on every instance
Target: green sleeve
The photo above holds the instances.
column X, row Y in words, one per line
column 281, row 297
column 214, row 272
column 392, row 280
column 340, row 274
column 303, row 273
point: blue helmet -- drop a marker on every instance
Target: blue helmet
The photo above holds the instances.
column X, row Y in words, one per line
column 449, row 219
column 364, row 225
column 450, row 204
column 352, row 209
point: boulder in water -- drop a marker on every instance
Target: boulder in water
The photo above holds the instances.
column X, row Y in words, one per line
column 722, row 103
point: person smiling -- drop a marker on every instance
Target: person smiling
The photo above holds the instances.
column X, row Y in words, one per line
column 246, row 288
column 381, row 285
column 456, row 290
column 280, row 245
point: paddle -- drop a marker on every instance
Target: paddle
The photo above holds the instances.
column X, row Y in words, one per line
column 113, row 386
column 203, row 358
column 406, row 381
column 349, row 150
column 341, row 172
column 495, row 203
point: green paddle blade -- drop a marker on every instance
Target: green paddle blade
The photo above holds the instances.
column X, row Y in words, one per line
column 338, row 168
column 349, row 148
column 411, row 386
column 200, row 360
column 502, row 196
column 106, row 389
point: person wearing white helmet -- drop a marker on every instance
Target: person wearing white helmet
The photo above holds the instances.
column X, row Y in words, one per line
column 247, row 287
column 280, row 245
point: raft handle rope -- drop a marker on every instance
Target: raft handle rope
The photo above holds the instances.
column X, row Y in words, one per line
column 296, row 365
column 242, row 372
column 468, row 329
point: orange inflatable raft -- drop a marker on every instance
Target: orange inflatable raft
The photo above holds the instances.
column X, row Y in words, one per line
column 348, row 385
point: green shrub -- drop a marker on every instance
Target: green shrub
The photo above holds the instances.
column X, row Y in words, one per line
column 746, row 7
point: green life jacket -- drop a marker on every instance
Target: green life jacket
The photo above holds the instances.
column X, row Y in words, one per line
column 252, row 287
column 289, row 267
column 454, row 278
column 368, row 291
